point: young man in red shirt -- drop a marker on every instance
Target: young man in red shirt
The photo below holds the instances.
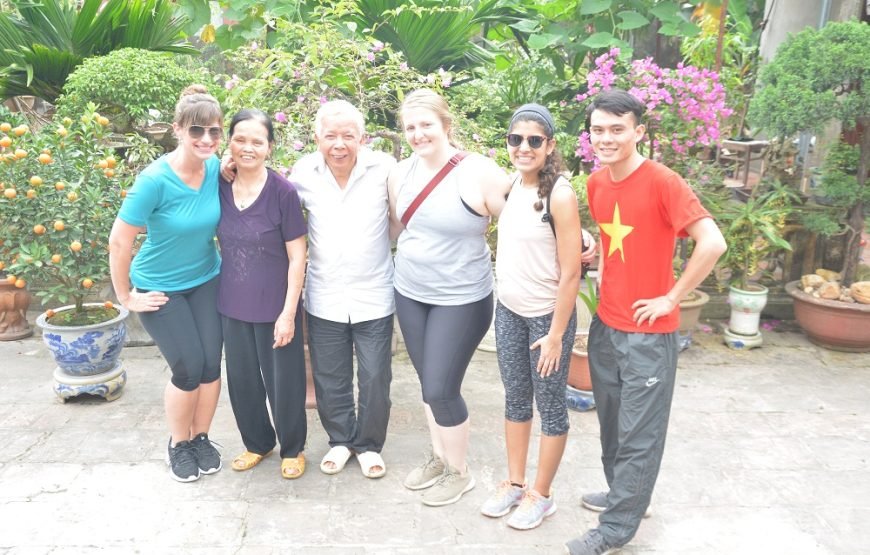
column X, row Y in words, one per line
column 641, row 207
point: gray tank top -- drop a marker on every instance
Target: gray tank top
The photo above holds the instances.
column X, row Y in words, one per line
column 442, row 256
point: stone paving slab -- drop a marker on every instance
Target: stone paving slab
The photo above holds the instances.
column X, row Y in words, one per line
column 768, row 452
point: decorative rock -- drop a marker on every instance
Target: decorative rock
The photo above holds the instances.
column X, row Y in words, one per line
column 811, row 280
column 860, row 291
column 829, row 290
column 828, row 275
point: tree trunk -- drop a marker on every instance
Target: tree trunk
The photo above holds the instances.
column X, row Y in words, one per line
column 856, row 212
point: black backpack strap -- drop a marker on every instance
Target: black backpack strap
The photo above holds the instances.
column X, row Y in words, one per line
column 547, row 217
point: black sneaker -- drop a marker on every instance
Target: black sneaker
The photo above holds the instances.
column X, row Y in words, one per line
column 207, row 456
column 182, row 461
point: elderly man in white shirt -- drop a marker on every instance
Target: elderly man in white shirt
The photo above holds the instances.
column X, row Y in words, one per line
column 349, row 288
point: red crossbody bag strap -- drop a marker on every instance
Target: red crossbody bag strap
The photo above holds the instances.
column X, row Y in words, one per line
column 448, row 167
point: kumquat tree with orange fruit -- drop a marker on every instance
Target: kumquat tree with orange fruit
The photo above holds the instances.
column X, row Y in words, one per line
column 60, row 190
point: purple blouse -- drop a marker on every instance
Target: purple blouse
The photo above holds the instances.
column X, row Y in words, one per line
column 253, row 281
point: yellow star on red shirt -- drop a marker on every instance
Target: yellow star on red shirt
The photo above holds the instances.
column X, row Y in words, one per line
column 617, row 232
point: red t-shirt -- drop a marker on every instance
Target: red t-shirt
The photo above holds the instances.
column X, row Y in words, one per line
column 640, row 217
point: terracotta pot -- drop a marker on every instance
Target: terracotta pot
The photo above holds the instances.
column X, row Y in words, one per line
column 690, row 309
column 578, row 369
column 832, row 324
column 13, row 312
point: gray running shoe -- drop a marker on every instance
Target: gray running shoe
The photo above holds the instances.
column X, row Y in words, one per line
column 505, row 497
column 590, row 543
column 533, row 509
column 449, row 488
column 426, row 474
column 182, row 462
column 597, row 502
column 207, row 456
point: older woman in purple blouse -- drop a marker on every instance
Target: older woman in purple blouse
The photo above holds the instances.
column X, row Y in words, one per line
column 262, row 239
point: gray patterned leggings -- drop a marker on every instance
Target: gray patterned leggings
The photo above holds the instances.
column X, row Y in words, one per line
column 514, row 334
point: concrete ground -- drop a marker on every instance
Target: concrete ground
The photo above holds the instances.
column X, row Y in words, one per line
column 768, row 453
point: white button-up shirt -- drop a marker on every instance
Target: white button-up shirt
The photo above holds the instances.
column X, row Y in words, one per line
column 350, row 266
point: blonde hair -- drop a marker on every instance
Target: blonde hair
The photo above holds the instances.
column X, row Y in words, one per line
column 435, row 103
column 197, row 107
column 335, row 108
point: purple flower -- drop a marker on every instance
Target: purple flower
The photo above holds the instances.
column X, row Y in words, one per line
column 430, row 79
column 300, row 99
column 281, row 117
column 377, row 46
column 446, row 81
column 403, row 66
column 277, row 81
column 298, row 145
column 323, row 100
column 370, row 56
column 476, row 137
column 254, row 45
column 491, row 153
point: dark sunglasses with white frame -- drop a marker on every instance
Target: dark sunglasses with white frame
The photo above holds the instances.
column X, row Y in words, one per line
column 535, row 141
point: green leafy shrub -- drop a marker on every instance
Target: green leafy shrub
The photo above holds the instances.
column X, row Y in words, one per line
column 61, row 190
column 126, row 84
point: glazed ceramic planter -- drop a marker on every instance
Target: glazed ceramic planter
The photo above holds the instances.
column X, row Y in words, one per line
column 13, row 312
column 746, row 307
column 87, row 357
column 832, row 324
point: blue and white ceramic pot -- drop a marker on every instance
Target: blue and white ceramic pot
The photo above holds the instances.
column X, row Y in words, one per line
column 86, row 350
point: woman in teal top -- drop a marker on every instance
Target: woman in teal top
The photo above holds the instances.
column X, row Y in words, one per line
column 172, row 281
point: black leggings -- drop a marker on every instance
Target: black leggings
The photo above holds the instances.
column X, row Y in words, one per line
column 187, row 329
column 440, row 341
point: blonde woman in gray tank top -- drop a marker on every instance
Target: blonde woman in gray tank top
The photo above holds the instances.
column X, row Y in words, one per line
column 443, row 282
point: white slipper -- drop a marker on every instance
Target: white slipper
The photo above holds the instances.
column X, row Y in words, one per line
column 369, row 460
column 338, row 456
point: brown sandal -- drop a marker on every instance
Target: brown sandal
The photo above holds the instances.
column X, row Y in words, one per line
column 247, row 461
column 293, row 468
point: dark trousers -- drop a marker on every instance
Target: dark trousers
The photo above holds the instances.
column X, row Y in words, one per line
column 256, row 372
column 360, row 426
column 633, row 378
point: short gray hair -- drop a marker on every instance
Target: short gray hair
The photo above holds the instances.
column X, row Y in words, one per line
column 335, row 108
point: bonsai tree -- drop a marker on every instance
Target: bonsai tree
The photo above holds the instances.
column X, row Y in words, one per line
column 61, row 192
column 818, row 76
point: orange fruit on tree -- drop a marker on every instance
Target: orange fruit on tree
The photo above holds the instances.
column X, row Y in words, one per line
column 10, row 193
column 20, row 130
column 108, row 304
column 5, row 127
column 59, row 225
column 31, row 193
column 75, row 246
column 111, row 161
column 36, row 181
column 2, row 264
column 56, row 258
column 103, row 120
column 72, row 196
column 20, row 283
column 39, row 229
column 59, row 186
column 87, row 283
column 5, row 142
column 11, row 279
column 103, row 164
column 19, row 154
column 44, row 158
column 123, row 193
column 61, row 131
column 109, row 173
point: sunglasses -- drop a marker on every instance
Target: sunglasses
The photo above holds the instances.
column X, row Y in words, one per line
column 197, row 131
column 535, row 141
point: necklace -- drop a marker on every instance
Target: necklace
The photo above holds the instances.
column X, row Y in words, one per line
column 244, row 195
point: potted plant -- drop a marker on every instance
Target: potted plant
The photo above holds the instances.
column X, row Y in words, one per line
column 753, row 231
column 578, row 369
column 818, row 76
column 61, row 194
